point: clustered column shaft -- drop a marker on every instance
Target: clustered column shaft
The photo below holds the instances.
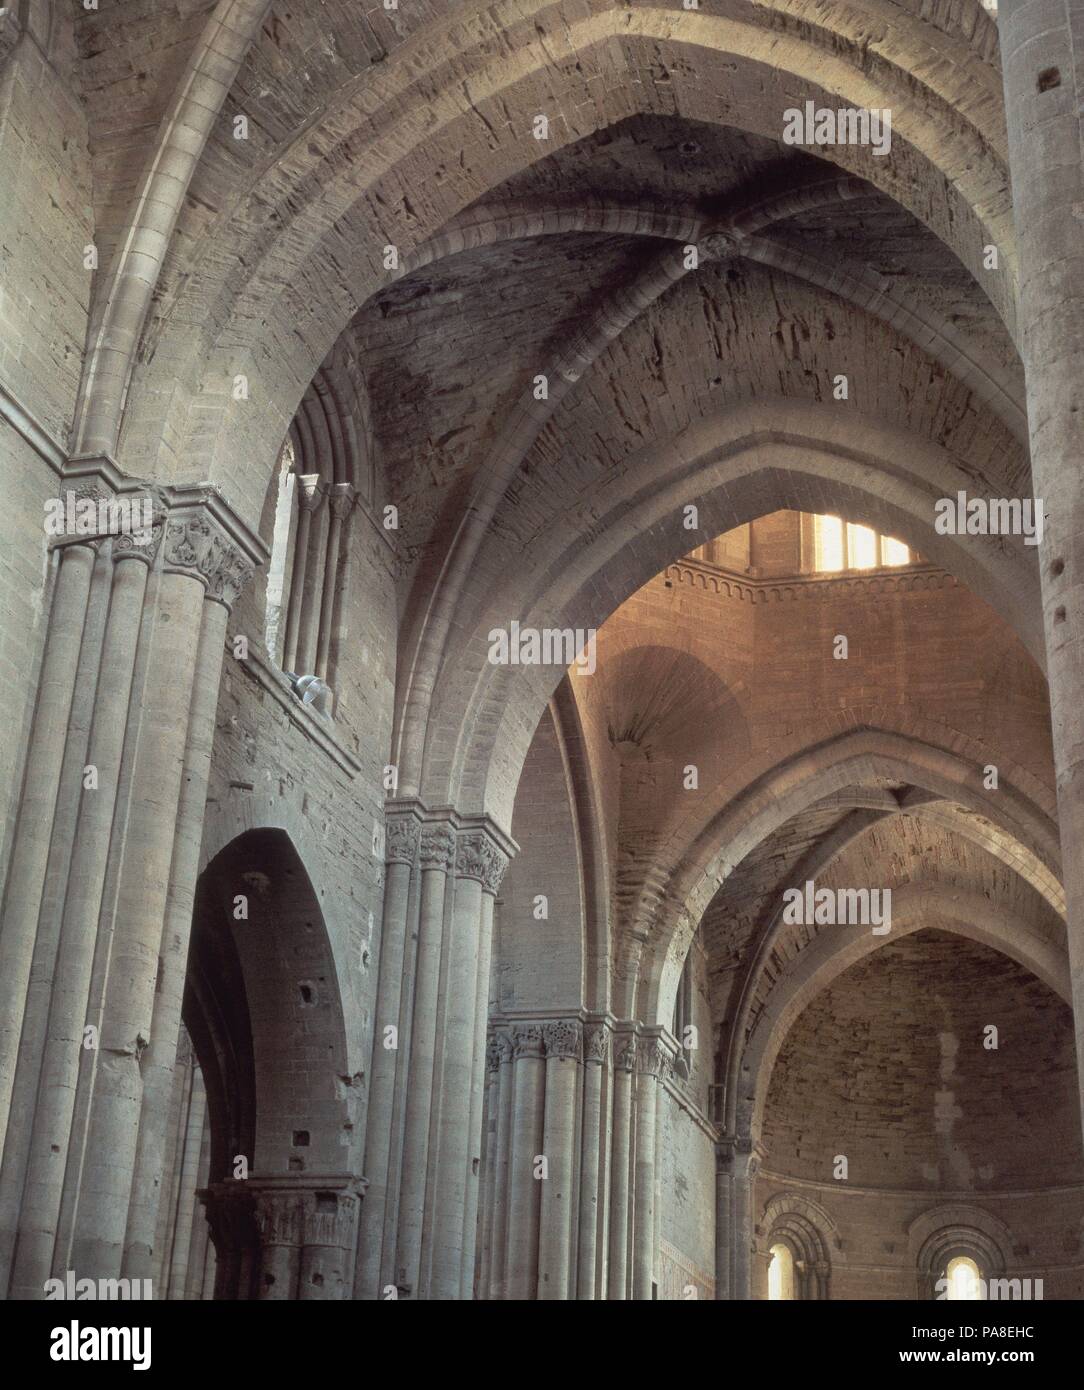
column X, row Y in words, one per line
column 97, row 908
column 424, row 1131
column 571, row 1162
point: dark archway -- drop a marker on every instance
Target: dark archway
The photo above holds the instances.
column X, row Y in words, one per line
column 264, row 1010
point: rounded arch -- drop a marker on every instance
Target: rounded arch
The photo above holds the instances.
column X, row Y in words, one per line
column 914, row 907
column 952, row 1229
column 809, row 1233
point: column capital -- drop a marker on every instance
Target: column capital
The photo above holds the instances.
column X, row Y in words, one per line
column 278, row 1215
column 221, row 551
column 87, row 510
column 625, row 1052
column 596, row 1044
column 437, row 846
column 739, row 1155
column 563, row 1038
column 310, row 491
column 329, row 1215
column 527, row 1040
column 479, row 857
column 499, row 1048
column 229, row 1210
column 402, row 833
column 650, row 1057
column 341, row 499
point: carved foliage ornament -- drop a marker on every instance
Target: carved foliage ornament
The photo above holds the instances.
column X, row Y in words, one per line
column 196, row 547
column 650, row 1057
column 90, row 513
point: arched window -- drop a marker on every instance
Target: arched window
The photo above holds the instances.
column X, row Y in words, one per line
column 781, row 1273
column 796, row 1235
column 843, row 545
column 309, row 551
column 958, row 1250
column 963, row 1280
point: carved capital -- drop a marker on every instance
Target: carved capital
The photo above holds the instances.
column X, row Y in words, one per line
column 90, row 512
column 342, row 499
column 650, row 1057
column 194, row 545
column 310, row 491
column 527, row 1039
column 625, row 1054
column 493, row 1053
column 596, row 1045
column 401, row 837
column 330, row 1218
column 437, row 847
column 562, row 1038
column 477, row 857
column 279, row 1217
column 503, row 1038
column 228, row 572
column 188, row 544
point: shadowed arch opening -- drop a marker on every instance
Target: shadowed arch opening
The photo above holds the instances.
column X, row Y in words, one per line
column 263, row 1008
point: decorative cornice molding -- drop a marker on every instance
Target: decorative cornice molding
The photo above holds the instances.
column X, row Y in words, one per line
column 176, row 498
column 746, row 589
column 21, row 420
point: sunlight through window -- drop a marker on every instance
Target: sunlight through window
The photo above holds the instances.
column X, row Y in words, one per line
column 828, row 543
column 964, row 1280
column 861, row 547
column 894, row 552
column 839, row 546
column 781, row 1273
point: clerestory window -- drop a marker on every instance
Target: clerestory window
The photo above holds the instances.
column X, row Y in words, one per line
column 844, row 545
